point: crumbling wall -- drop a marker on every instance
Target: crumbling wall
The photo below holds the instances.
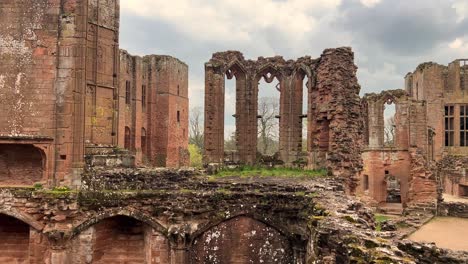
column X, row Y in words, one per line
column 333, row 97
column 335, row 102
column 409, row 155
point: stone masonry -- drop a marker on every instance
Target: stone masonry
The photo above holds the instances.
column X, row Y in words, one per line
column 333, row 96
column 63, row 93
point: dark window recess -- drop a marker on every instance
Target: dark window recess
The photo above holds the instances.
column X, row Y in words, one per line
column 143, row 140
column 178, row 116
column 127, row 92
column 366, row 182
column 143, row 97
column 178, row 90
column 127, row 138
column 449, row 125
column 463, row 125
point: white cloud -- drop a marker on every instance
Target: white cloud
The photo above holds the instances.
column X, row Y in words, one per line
column 233, row 20
column 456, row 44
column 461, row 7
column 370, row 3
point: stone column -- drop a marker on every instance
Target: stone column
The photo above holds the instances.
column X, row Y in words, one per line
column 214, row 114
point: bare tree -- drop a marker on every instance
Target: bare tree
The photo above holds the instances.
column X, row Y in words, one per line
column 268, row 129
column 196, row 127
column 389, row 131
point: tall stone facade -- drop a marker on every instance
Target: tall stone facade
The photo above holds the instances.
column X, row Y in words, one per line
column 333, row 98
column 154, row 109
column 60, row 93
column 444, row 88
column 430, row 136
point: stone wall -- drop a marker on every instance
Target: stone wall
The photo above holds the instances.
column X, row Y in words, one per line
column 438, row 86
column 159, row 125
column 173, row 223
column 407, row 156
column 333, row 93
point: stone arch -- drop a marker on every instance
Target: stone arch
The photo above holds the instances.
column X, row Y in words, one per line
column 265, row 69
column 20, row 238
column 21, row 164
column 254, row 241
column 120, row 236
column 237, row 66
column 12, row 212
column 118, row 212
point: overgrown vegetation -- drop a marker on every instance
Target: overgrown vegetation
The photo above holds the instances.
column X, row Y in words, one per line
column 251, row 171
column 195, row 156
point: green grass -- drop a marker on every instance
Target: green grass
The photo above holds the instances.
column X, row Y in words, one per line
column 249, row 171
column 379, row 219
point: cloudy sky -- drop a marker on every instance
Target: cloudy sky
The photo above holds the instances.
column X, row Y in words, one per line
column 389, row 37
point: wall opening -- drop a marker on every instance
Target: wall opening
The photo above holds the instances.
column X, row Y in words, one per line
column 365, row 182
column 143, row 98
column 463, row 125
column 230, row 141
column 449, row 125
column 119, row 239
column 393, row 188
column 389, row 123
column 127, row 139
column 14, row 240
column 302, row 82
column 268, row 115
column 127, row 92
column 20, row 164
column 143, row 140
column 253, row 241
column 178, row 117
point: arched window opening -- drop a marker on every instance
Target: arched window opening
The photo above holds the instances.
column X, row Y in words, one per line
column 389, row 123
column 230, row 142
column 127, row 139
column 14, row 240
column 268, row 114
column 305, row 112
column 143, row 140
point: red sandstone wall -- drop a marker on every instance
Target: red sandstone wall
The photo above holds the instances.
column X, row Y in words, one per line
column 169, row 136
column 376, row 162
column 241, row 240
column 20, row 165
column 14, row 241
column 166, row 81
column 28, row 44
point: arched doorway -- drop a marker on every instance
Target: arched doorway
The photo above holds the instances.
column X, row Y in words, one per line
column 14, row 240
column 120, row 240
